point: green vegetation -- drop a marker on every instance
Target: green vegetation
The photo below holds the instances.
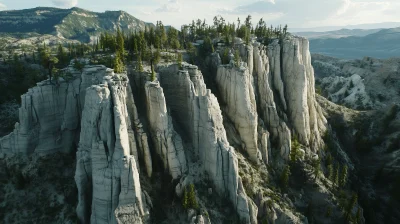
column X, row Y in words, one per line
column 316, row 164
column 140, row 45
column 330, row 171
column 139, row 64
column 189, row 198
column 180, row 60
column 119, row 66
column 295, row 150
column 335, row 178
column 78, row 65
column 47, row 60
column 350, row 206
column 153, row 75
column 237, row 58
column 225, row 57
column 284, row 179
column 343, row 176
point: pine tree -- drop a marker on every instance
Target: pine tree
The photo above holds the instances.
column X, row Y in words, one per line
column 225, row 57
column 173, row 41
column 350, row 206
column 343, row 176
column 294, row 152
column 78, row 65
column 153, row 74
column 285, row 177
column 62, row 56
column 336, row 175
column 316, row 164
column 237, row 58
column 330, row 171
column 180, row 60
column 248, row 22
column 119, row 66
column 140, row 65
column 161, row 34
column 192, row 202
column 120, row 47
column 46, row 60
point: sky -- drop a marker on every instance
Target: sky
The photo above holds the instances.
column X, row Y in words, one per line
column 295, row 13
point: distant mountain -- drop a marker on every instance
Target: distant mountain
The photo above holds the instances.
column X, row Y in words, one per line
column 382, row 44
column 368, row 26
column 74, row 23
column 337, row 33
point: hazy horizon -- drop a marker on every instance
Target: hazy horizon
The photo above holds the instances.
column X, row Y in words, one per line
column 300, row 15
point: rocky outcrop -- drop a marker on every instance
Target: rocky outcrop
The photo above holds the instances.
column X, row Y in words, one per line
column 266, row 80
column 298, row 78
column 49, row 116
column 275, row 85
column 236, row 89
column 286, row 94
column 168, row 144
column 349, row 91
column 106, row 175
column 266, row 100
column 198, row 111
column 94, row 110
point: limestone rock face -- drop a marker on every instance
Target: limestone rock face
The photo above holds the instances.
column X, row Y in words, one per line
column 278, row 83
column 236, row 89
column 49, row 116
column 197, row 109
column 168, row 143
column 276, row 125
column 298, row 79
column 284, row 93
column 106, row 174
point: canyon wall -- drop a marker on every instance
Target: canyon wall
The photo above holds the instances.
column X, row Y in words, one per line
column 269, row 99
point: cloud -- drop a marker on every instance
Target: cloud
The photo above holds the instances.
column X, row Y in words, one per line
column 294, row 12
column 171, row 6
column 65, row 3
column 2, row 6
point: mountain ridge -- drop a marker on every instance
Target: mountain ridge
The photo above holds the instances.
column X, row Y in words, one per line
column 382, row 44
column 74, row 23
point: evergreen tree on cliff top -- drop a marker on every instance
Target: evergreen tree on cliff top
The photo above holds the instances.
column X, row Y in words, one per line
column 119, row 66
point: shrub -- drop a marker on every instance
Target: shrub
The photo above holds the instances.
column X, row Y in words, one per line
column 294, row 152
column 318, row 90
column 285, row 177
